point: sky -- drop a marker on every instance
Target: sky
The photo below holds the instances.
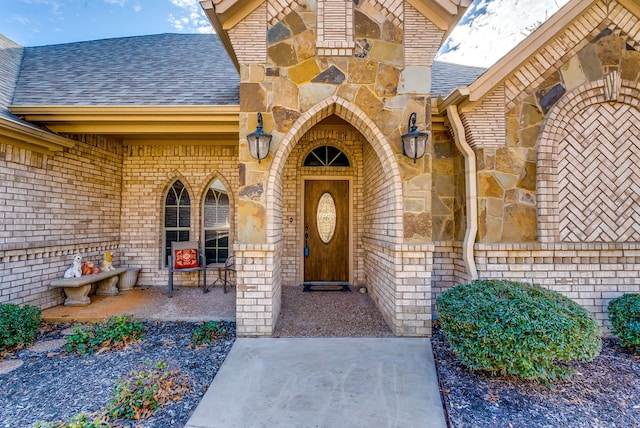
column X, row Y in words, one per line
column 489, row 29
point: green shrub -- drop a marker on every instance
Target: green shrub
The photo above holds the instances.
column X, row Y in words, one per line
column 512, row 328
column 78, row 421
column 117, row 332
column 624, row 314
column 18, row 325
column 208, row 332
column 140, row 393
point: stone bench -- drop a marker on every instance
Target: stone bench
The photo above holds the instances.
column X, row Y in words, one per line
column 77, row 290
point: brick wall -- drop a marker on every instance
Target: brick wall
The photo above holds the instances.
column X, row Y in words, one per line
column 590, row 274
column 148, row 172
column 486, row 126
column 422, row 39
column 250, row 49
column 52, row 207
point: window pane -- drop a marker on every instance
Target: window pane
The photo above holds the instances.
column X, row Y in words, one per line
column 171, row 217
column 209, row 216
column 184, row 198
column 184, row 216
column 210, row 198
column 183, row 235
column 326, row 156
column 171, row 199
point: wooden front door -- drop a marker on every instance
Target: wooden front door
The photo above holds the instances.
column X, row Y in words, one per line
column 326, row 231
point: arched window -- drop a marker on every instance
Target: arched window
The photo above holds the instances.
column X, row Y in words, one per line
column 177, row 216
column 326, row 156
column 216, row 223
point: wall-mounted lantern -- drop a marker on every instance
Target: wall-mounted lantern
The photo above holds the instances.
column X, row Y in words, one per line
column 414, row 142
column 259, row 141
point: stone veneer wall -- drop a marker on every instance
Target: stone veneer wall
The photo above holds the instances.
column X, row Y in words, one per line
column 569, row 156
column 508, row 163
column 53, row 207
column 302, row 82
column 148, row 172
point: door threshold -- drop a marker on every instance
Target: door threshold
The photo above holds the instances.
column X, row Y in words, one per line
column 325, row 286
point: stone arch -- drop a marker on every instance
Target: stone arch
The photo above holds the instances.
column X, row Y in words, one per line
column 360, row 121
column 561, row 127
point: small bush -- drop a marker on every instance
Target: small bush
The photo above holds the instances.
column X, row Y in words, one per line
column 140, row 393
column 512, row 328
column 624, row 314
column 18, row 325
column 208, row 332
column 117, row 332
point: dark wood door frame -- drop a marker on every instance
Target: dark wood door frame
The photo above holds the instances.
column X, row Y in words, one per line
column 350, row 231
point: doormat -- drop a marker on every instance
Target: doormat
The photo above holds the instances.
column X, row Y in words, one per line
column 325, row 286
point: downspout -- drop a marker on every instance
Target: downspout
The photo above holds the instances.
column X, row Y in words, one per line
column 471, row 190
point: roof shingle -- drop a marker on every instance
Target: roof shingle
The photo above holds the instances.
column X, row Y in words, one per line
column 447, row 77
column 163, row 69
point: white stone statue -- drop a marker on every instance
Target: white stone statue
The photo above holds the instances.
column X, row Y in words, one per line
column 75, row 269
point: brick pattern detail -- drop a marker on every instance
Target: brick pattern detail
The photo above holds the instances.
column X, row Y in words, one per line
column 249, row 37
column 598, row 175
column 148, row 172
column 52, row 207
column 485, row 126
column 277, row 10
column 390, row 9
column 335, row 28
column 567, row 43
column 422, row 38
column 613, row 192
column 591, row 274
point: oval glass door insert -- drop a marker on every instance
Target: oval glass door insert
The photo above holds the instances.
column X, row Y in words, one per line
column 326, row 217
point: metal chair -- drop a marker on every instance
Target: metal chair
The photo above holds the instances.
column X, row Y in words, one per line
column 229, row 270
column 201, row 263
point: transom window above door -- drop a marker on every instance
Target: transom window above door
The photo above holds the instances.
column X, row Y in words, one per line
column 326, row 156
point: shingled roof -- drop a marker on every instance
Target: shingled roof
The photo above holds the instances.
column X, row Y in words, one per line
column 446, row 77
column 163, row 69
column 10, row 59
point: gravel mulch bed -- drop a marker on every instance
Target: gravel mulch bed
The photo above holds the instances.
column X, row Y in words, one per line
column 54, row 386
column 605, row 393
column 329, row 314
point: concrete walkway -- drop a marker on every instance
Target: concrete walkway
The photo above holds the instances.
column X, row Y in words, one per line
column 324, row 382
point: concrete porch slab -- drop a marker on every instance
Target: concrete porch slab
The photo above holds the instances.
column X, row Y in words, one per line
column 324, row 382
column 152, row 303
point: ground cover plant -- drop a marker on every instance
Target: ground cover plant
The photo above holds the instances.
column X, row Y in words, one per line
column 511, row 328
column 117, row 332
column 159, row 380
column 208, row 332
column 18, row 325
column 136, row 396
column 624, row 314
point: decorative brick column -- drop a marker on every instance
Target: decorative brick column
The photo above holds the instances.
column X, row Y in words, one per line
column 258, row 297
